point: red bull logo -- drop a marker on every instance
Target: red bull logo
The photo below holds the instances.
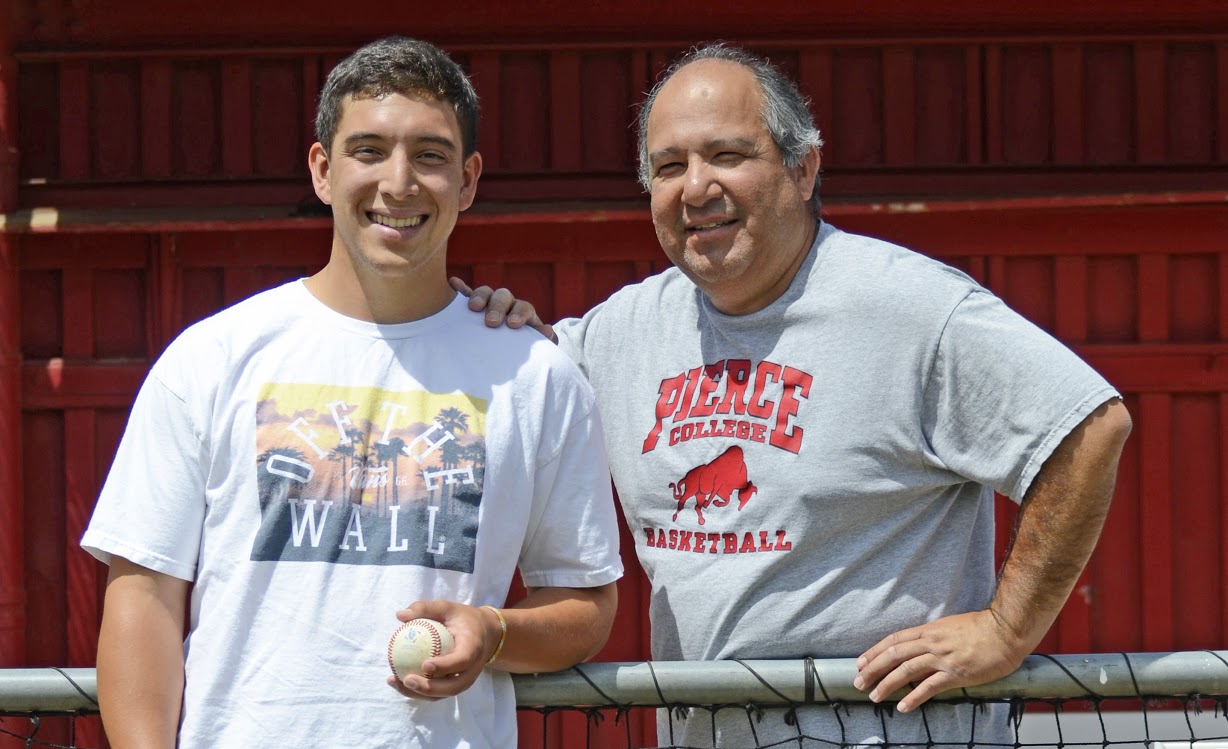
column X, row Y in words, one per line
column 714, row 484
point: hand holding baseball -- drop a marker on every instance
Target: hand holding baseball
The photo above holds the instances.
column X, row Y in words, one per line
column 449, row 673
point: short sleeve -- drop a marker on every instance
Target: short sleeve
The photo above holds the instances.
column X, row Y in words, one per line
column 572, row 332
column 572, row 540
column 151, row 508
column 1003, row 394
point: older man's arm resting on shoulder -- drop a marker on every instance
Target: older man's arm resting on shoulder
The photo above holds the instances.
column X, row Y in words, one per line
column 1059, row 522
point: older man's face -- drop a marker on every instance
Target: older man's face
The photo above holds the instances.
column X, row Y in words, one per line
column 727, row 211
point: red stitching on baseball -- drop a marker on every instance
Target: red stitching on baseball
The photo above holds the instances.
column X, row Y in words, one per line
column 436, row 640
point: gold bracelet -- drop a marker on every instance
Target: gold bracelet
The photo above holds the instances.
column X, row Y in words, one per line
column 502, row 634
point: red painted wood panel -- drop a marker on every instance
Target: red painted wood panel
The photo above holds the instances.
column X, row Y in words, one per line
column 902, row 117
column 1144, row 308
column 1091, row 96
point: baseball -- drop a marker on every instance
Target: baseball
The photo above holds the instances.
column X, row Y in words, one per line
column 414, row 642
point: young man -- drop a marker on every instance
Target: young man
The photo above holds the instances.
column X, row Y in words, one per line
column 301, row 466
column 860, row 402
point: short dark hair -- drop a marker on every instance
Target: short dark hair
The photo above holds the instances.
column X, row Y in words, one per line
column 398, row 65
column 785, row 111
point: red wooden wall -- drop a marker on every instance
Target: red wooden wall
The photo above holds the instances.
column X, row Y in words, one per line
column 1073, row 156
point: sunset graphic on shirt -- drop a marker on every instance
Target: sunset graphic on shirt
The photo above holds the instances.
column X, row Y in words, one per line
column 366, row 476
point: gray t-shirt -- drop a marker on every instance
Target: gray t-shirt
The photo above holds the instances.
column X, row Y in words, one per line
column 809, row 478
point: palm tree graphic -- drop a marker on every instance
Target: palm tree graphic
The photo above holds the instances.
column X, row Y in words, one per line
column 456, row 422
column 272, row 487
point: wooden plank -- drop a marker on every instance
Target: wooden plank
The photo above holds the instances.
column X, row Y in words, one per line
column 566, row 119
column 1153, row 425
column 489, row 274
column 1153, row 298
column 1151, row 100
column 165, row 293
column 78, row 316
column 1221, row 102
column 1161, row 368
column 994, row 129
column 486, row 74
column 81, row 569
column 569, row 289
column 996, row 277
column 42, row 544
column 899, row 133
column 155, row 118
column 57, row 385
column 75, row 120
column 814, row 81
column 1223, row 515
column 312, row 82
column 1068, row 103
column 1071, row 298
column 974, row 106
column 1223, row 297
column 12, row 522
column 237, row 117
column 115, row 105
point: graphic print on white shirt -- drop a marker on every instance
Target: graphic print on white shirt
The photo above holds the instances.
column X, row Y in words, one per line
column 353, row 475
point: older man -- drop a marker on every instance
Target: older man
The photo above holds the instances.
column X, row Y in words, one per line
column 861, row 403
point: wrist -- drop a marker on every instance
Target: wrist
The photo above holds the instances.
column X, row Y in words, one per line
column 497, row 634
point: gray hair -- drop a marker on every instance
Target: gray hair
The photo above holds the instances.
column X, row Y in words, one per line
column 398, row 65
column 785, row 111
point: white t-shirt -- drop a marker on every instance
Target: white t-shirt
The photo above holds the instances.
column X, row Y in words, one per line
column 312, row 474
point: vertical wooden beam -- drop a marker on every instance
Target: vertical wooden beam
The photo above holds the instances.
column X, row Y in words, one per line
column 74, row 120
column 1155, row 423
column 1223, row 407
column 974, row 111
column 156, row 118
column 814, row 79
column 899, row 106
column 569, row 298
column 487, row 75
column 489, row 274
column 80, row 485
column 1221, row 102
column 994, row 153
column 12, row 546
column 1071, row 303
column 311, row 91
column 237, row 117
column 1068, row 103
column 80, row 490
column 566, row 120
column 1151, row 102
column 165, row 296
column 1153, row 299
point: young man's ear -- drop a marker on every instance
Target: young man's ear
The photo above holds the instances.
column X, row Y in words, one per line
column 317, row 163
column 471, row 171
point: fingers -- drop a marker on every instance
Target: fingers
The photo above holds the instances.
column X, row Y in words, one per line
column 893, row 664
column 452, row 673
column 954, row 651
column 460, row 286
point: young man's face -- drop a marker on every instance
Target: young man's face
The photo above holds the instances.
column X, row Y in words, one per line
column 396, row 179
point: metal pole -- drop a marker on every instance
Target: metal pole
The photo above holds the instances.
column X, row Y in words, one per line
column 642, row 684
column 12, row 547
column 784, row 682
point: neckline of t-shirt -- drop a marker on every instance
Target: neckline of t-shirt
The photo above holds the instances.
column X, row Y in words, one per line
column 321, row 311
column 778, row 305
